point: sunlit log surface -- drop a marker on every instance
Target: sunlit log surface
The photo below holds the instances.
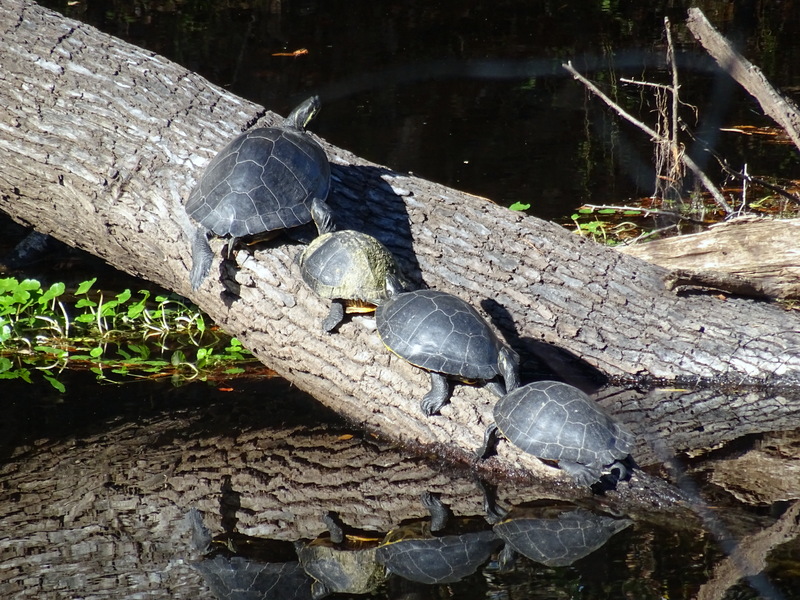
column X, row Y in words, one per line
column 100, row 143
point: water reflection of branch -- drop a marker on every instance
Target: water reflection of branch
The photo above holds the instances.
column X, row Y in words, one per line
column 749, row 559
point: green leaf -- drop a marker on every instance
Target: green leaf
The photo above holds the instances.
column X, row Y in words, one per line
column 96, row 352
column 5, row 364
column 85, row 302
column 57, row 352
column 85, row 286
column 519, row 206
column 54, row 291
column 55, row 382
column 234, row 371
column 606, row 211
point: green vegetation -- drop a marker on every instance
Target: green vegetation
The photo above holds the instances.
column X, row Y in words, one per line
column 118, row 338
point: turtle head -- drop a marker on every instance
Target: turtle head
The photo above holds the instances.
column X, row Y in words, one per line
column 508, row 363
column 303, row 114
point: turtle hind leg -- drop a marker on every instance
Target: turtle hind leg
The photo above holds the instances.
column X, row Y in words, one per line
column 489, row 442
column 201, row 258
column 496, row 387
column 580, row 473
column 437, row 397
column 335, row 316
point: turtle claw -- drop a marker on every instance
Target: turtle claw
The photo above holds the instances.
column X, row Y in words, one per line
column 201, row 258
column 582, row 474
column 334, row 318
column 435, row 399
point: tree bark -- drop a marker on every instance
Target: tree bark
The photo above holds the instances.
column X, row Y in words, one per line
column 748, row 256
column 100, row 143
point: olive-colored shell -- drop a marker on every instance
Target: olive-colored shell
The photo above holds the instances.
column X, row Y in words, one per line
column 556, row 421
column 343, row 571
column 440, row 332
column 348, row 265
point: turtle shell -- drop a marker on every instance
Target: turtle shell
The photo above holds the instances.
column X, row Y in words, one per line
column 264, row 180
column 416, row 554
column 349, row 265
column 557, row 537
column 556, row 421
column 439, row 332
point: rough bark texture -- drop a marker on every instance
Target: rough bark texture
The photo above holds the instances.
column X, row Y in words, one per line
column 100, row 143
column 748, row 256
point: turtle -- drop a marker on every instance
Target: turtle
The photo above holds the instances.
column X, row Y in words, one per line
column 238, row 566
column 555, row 535
column 440, row 549
column 342, row 563
column 353, row 269
column 556, row 421
column 444, row 335
column 267, row 179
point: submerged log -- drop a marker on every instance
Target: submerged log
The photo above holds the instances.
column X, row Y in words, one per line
column 101, row 141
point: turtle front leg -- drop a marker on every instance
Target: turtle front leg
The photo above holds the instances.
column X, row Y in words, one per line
column 335, row 316
column 435, row 399
column 201, row 258
column 580, row 473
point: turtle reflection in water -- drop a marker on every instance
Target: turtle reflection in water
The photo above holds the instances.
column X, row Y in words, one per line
column 342, row 563
column 267, row 179
column 352, row 269
column 554, row 536
column 556, row 421
column 442, row 550
column 447, row 337
column 248, row 568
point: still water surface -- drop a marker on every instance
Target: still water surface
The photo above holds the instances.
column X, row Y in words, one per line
column 97, row 482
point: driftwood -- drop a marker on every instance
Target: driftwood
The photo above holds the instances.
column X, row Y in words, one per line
column 782, row 109
column 749, row 256
column 100, row 143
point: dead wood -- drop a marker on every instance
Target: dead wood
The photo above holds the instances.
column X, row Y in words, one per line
column 102, row 141
column 780, row 108
column 750, row 256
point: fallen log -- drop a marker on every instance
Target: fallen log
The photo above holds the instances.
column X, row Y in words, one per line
column 750, row 256
column 101, row 142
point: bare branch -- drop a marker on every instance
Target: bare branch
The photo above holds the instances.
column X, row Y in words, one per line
column 690, row 164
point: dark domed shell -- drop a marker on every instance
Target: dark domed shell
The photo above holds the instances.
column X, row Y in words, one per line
column 556, row 421
column 263, row 180
column 439, row 332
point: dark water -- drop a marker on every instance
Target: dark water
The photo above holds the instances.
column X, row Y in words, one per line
column 471, row 95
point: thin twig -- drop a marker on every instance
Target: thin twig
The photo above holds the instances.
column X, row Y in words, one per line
column 647, row 211
column 660, row 86
column 675, row 85
column 690, row 164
